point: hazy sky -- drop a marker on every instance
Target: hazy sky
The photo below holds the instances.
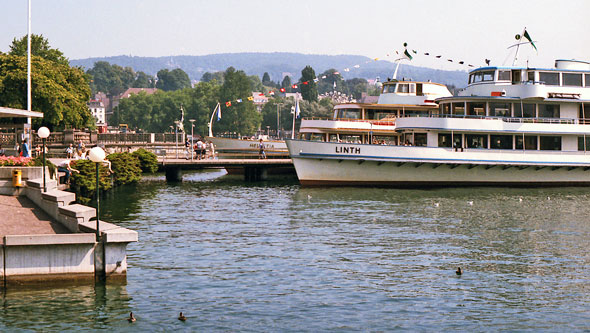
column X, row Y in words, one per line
column 469, row 30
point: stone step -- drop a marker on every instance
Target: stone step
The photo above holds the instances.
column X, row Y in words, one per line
column 62, row 198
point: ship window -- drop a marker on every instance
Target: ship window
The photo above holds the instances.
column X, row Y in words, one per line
column 524, row 110
column 584, row 114
column 500, row 109
column 570, row 79
column 488, row 76
column 316, row 137
column 581, row 143
column 530, row 142
column 384, row 140
column 476, row 141
column 350, row 138
column 445, row 108
column 501, row 141
column 476, row 109
column 550, row 143
column 444, row 140
column 333, row 137
column 515, row 76
column 503, row 75
column 531, row 76
column 389, row 88
column 420, row 139
column 477, row 77
column 551, row 79
column 548, row 110
column 587, row 78
column 386, row 114
column 459, row 109
column 403, row 88
column 349, row 114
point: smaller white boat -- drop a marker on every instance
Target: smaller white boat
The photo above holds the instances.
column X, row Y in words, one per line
column 232, row 146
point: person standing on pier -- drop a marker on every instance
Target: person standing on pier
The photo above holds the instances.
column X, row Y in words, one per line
column 26, row 151
column 261, row 153
column 200, row 148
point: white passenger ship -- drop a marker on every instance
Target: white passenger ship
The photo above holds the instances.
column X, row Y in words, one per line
column 514, row 126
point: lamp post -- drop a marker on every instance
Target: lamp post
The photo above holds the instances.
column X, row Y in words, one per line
column 176, row 137
column 43, row 133
column 97, row 156
column 192, row 137
column 278, row 118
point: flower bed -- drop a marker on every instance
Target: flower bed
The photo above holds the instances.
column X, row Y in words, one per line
column 16, row 161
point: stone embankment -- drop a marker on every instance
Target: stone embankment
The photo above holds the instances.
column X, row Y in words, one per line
column 46, row 236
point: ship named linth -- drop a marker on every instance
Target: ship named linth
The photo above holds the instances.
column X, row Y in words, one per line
column 511, row 126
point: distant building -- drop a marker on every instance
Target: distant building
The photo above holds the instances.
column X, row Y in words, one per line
column 98, row 111
column 259, row 100
column 296, row 96
column 368, row 99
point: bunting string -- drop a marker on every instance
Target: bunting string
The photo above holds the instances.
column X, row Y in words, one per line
column 406, row 54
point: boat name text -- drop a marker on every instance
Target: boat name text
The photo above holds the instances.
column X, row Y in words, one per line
column 347, row 150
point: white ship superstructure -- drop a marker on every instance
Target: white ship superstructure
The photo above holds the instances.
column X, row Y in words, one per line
column 510, row 126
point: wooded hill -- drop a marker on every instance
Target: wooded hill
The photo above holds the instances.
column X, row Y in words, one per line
column 279, row 64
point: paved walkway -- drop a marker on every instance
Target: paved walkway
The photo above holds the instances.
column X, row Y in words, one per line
column 20, row 216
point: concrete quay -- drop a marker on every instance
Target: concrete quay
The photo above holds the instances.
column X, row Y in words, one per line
column 47, row 238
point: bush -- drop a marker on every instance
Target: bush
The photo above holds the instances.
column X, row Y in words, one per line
column 84, row 183
column 126, row 168
column 148, row 162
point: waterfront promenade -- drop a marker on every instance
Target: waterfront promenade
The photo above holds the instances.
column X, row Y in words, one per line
column 20, row 216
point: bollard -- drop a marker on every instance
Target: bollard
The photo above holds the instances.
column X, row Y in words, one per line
column 16, row 178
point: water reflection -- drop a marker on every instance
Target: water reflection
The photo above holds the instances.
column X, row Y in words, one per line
column 64, row 308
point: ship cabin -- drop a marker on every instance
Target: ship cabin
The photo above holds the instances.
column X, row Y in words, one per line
column 512, row 108
column 376, row 123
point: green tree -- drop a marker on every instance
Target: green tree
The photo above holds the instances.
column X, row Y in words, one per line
column 266, row 79
column 39, row 47
column 256, row 84
column 309, row 90
column 142, row 80
column 175, row 79
column 111, row 79
column 286, row 83
column 270, row 114
column 327, row 83
column 59, row 91
column 239, row 117
column 208, row 77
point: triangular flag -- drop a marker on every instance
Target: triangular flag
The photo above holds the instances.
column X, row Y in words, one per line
column 282, row 90
column 316, row 79
column 306, row 82
column 218, row 107
column 357, row 66
column 261, row 94
column 294, row 86
column 271, row 93
column 228, row 104
column 408, row 55
column 250, row 98
column 347, row 70
column 336, row 73
column 239, row 100
column 323, row 76
column 527, row 36
column 297, row 111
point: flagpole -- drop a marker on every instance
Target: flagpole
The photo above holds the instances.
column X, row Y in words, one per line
column 211, row 121
column 518, row 47
column 293, row 129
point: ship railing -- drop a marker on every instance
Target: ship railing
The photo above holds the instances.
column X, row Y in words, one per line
column 390, row 121
column 505, row 119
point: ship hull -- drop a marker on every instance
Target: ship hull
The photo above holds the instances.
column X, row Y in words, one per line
column 334, row 164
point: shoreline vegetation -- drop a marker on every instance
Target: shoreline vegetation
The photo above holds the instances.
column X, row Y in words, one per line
column 127, row 169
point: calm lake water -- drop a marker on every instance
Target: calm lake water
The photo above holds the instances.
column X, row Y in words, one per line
column 275, row 257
